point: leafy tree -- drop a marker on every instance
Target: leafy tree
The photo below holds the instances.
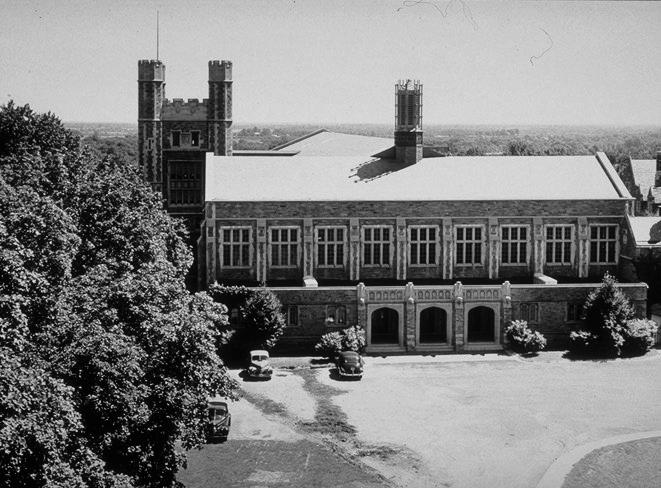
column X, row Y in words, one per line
column 606, row 313
column 114, row 356
column 262, row 322
column 42, row 441
column 349, row 339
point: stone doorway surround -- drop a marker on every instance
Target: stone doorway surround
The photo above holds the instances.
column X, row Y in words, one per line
column 457, row 300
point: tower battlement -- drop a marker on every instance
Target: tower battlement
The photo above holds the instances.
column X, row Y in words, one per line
column 220, row 70
column 151, row 70
column 180, row 103
column 177, row 107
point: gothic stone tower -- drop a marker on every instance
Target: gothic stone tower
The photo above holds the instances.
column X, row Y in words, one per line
column 408, row 121
column 151, row 94
column 175, row 135
column 219, row 113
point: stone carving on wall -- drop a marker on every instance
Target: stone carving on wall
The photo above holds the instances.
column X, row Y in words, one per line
column 409, row 292
column 458, row 292
column 583, row 228
column 434, row 294
column 362, row 293
column 385, row 295
column 506, row 293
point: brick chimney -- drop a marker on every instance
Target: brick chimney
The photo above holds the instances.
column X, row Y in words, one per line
column 657, row 178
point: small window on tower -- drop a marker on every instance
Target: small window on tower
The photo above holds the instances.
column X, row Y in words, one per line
column 185, row 139
column 176, row 138
column 150, row 143
column 195, row 138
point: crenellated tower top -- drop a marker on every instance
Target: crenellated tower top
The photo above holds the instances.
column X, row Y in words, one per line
column 220, row 70
column 151, row 70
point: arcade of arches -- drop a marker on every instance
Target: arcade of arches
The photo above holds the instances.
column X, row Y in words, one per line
column 432, row 326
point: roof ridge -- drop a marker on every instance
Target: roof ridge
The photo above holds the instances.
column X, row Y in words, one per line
column 299, row 139
column 612, row 175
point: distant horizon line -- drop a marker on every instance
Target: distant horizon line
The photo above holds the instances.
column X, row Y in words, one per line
column 322, row 125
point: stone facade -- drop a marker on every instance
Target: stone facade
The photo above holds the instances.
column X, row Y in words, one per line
column 556, row 306
column 454, row 291
column 353, row 217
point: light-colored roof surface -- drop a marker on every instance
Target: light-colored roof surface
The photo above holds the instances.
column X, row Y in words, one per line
column 352, row 178
column 326, row 143
column 644, row 171
column 646, row 230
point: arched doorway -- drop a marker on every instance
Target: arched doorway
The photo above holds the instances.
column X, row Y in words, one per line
column 433, row 325
column 385, row 326
column 481, row 325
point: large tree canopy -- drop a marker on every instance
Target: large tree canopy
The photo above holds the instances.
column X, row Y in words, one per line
column 106, row 359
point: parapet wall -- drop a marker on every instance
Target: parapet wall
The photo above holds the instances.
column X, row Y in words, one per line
column 178, row 109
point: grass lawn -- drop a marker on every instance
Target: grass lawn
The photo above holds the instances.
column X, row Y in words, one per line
column 635, row 464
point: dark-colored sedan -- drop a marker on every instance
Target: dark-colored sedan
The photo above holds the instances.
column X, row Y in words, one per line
column 350, row 365
column 220, row 420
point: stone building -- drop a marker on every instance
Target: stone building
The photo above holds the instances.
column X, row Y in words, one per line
column 427, row 253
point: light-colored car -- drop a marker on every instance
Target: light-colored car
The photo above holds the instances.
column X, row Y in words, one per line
column 350, row 365
column 259, row 367
column 219, row 419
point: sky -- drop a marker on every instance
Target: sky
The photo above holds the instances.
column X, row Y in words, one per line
column 333, row 62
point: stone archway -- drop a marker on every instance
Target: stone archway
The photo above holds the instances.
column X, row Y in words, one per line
column 481, row 325
column 384, row 326
column 433, row 325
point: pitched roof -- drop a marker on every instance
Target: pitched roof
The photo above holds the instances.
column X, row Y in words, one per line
column 646, row 230
column 365, row 178
column 326, row 143
column 644, row 172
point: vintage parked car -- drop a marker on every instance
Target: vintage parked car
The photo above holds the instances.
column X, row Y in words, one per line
column 259, row 367
column 350, row 365
column 219, row 420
